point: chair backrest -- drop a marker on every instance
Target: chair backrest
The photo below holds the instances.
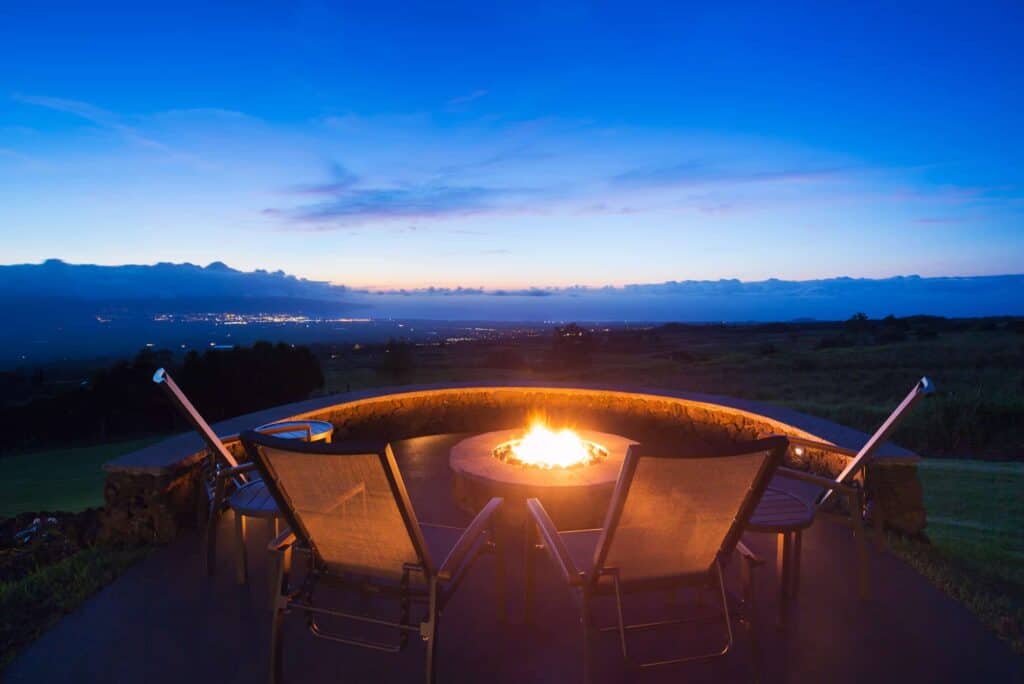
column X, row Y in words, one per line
column 675, row 516
column 346, row 501
column 178, row 398
column 922, row 388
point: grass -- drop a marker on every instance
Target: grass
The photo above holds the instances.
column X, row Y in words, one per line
column 35, row 603
column 58, row 480
column 977, row 552
column 977, row 412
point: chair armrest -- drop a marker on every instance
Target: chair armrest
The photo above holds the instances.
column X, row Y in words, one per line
column 283, row 541
column 450, row 568
column 820, row 480
column 821, row 446
column 225, row 473
column 750, row 562
column 553, row 541
column 747, row 555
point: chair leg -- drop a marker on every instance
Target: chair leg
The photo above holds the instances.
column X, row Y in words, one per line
column 212, row 522
column 585, row 621
column 528, row 551
column 859, row 538
column 430, row 634
column 432, row 655
column 748, row 612
column 862, row 562
column 280, row 569
column 499, row 575
column 276, row 666
column 241, row 563
column 794, row 573
column 784, row 567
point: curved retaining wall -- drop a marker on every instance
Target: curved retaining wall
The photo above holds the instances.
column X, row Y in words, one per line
column 150, row 494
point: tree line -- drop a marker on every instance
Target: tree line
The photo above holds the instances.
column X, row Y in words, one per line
column 121, row 401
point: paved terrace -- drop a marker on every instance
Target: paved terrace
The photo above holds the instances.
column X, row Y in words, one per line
column 166, row 621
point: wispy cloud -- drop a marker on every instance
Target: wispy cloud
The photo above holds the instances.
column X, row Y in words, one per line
column 699, row 172
column 343, row 181
column 505, row 157
column 104, row 119
column 467, row 98
column 353, row 206
column 938, row 220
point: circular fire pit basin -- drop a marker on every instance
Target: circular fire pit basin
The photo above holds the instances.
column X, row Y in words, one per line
column 575, row 497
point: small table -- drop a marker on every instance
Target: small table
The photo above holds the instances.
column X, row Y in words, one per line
column 784, row 514
column 319, row 430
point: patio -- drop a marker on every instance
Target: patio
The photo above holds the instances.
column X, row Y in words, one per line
column 165, row 620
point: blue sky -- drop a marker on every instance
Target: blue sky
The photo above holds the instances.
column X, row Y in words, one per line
column 544, row 144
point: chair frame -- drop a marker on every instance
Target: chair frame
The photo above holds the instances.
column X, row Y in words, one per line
column 226, row 473
column 789, row 543
column 587, row 585
column 439, row 582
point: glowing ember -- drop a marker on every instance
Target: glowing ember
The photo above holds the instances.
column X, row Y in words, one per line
column 542, row 447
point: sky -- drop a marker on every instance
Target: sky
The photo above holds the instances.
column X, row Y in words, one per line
column 517, row 145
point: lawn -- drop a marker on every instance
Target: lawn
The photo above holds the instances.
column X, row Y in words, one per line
column 977, row 552
column 58, row 480
column 976, row 508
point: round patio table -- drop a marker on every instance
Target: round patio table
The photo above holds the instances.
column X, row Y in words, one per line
column 786, row 515
column 319, row 430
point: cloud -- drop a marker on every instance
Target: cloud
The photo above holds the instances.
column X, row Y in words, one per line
column 349, row 200
column 343, row 181
column 467, row 291
column 466, row 99
column 350, row 205
column 519, row 154
column 104, row 119
column 697, row 172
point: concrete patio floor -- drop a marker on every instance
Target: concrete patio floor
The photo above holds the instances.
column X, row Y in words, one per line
column 165, row 620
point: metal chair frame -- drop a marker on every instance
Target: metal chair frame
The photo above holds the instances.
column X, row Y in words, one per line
column 223, row 476
column 588, row 585
column 843, row 485
column 438, row 584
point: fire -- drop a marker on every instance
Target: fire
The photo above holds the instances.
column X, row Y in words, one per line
column 545, row 448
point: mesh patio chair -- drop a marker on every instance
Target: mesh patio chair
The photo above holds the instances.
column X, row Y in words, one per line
column 673, row 522
column 794, row 498
column 349, row 515
column 226, row 483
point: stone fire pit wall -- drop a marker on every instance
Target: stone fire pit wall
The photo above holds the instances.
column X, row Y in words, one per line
column 152, row 493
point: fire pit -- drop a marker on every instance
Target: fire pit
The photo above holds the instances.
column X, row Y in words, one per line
column 572, row 471
column 544, row 448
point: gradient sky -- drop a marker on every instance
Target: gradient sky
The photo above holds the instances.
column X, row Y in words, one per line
column 539, row 144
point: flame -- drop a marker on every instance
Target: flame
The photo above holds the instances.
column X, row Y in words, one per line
column 544, row 447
